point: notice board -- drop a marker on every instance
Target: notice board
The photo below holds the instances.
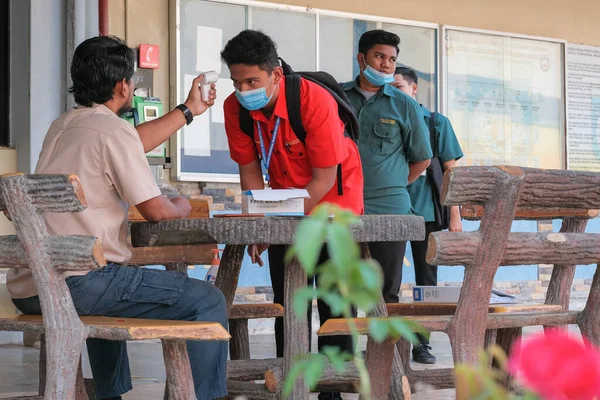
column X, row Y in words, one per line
column 583, row 107
column 504, row 97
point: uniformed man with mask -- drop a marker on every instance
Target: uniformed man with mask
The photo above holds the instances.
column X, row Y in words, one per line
column 394, row 144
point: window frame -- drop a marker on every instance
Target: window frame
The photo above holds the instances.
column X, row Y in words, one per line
column 4, row 74
column 175, row 65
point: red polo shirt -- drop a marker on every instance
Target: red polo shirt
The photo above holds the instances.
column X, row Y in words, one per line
column 292, row 161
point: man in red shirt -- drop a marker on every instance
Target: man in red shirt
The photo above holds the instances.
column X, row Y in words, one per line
column 260, row 88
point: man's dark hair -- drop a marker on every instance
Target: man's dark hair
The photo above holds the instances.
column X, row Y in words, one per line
column 409, row 74
column 98, row 65
column 251, row 47
column 370, row 39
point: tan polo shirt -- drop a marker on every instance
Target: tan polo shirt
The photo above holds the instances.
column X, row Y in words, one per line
column 106, row 153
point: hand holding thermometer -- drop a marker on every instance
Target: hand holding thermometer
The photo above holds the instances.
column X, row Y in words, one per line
column 209, row 78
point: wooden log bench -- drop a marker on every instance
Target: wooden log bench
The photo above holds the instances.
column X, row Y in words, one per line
column 25, row 198
column 498, row 196
column 440, row 377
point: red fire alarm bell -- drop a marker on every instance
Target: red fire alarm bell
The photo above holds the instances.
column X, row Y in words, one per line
column 149, row 56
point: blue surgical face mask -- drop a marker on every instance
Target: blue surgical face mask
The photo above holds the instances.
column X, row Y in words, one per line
column 377, row 78
column 254, row 99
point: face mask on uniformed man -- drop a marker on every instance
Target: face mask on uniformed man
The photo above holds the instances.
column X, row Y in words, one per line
column 254, row 99
column 375, row 77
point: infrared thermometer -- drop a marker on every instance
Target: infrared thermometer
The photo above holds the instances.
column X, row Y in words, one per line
column 208, row 78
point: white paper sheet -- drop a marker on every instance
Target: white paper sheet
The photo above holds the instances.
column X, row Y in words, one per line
column 279, row 194
column 196, row 136
column 209, row 42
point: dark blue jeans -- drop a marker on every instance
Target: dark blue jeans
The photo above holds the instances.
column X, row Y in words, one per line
column 132, row 292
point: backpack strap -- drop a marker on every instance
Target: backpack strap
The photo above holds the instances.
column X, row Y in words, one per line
column 432, row 134
column 292, row 97
column 246, row 122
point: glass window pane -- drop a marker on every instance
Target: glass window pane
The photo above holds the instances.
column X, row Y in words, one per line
column 338, row 45
column 204, row 30
column 418, row 51
column 293, row 32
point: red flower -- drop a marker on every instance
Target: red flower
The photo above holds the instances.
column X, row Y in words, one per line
column 557, row 366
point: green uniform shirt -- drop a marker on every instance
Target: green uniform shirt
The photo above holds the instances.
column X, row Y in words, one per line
column 392, row 134
column 448, row 148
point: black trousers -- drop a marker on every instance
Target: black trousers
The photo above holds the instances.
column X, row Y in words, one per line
column 276, row 268
column 425, row 274
column 390, row 255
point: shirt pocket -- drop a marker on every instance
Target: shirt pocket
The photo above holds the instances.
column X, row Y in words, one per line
column 295, row 149
column 386, row 139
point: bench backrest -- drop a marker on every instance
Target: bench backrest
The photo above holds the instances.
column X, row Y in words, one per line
column 498, row 196
column 25, row 198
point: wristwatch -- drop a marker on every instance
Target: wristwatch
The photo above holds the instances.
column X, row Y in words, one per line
column 187, row 113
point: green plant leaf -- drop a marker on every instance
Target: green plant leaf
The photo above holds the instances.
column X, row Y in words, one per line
column 302, row 299
column 364, row 300
column 370, row 274
column 314, row 370
column 337, row 303
column 378, row 329
column 346, row 217
column 308, row 242
column 323, row 211
column 336, row 358
column 529, row 396
column 328, row 278
column 297, row 369
column 399, row 327
column 343, row 250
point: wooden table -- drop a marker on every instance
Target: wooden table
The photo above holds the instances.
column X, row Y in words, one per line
column 238, row 232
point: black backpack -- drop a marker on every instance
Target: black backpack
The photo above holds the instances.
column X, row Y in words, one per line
column 292, row 96
column 435, row 175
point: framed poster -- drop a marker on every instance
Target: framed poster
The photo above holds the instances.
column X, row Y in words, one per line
column 583, row 107
column 504, row 95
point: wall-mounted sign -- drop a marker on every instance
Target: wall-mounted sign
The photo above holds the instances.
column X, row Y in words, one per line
column 149, row 56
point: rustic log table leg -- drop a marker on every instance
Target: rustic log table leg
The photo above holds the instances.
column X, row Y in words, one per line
column 29, row 338
column 490, row 337
column 229, row 272
column 559, row 289
column 179, row 372
column 239, row 345
column 80, row 390
column 181, row 267
column 295, row 327
column 400, row 387
column 506, row 339
column 379, row 359
column 589, row 320
column 42, row 365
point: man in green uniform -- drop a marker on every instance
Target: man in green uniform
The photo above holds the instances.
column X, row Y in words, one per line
column 448, row 152
column 394, row 144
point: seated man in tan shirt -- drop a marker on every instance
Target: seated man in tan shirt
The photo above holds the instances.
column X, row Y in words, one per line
column 108, row 155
